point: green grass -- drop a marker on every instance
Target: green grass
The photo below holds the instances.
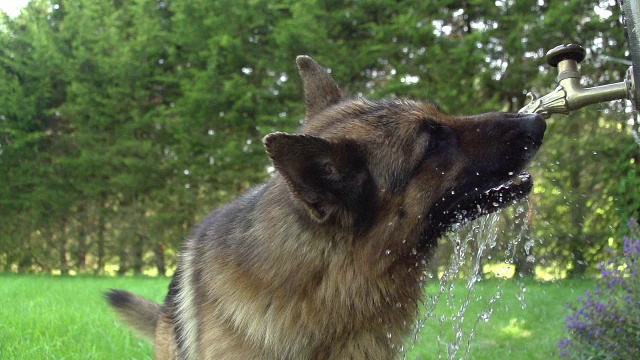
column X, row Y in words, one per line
column 526, row 323
column 52, row 317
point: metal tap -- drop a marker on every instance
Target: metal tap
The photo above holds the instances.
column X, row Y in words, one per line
column 570, row 95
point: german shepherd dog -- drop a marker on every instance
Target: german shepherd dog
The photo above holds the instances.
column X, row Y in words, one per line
column 327, row 259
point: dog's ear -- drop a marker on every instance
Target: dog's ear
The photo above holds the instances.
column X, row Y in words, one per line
column 320, row 90
column 327, row 177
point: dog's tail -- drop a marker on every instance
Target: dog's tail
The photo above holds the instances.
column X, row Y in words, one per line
column 139, row 313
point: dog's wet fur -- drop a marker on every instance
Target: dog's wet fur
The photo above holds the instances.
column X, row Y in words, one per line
column 326, row 260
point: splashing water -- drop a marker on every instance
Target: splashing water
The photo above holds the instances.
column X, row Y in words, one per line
column 471, row 243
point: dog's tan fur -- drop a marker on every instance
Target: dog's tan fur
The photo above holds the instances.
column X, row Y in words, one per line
column 326, row 260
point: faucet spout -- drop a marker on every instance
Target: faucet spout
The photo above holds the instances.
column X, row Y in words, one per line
column 570, row 95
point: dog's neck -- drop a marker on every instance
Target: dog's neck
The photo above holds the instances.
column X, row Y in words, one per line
column 355, row 276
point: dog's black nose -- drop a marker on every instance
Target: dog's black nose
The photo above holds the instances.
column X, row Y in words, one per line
column 535, row 125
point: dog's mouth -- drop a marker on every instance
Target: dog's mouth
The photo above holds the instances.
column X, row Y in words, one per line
column 463, row 206
column 479, row 202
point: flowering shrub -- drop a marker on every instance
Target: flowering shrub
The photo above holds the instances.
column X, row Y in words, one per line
column 605, row 323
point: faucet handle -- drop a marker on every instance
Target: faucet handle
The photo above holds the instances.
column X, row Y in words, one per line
column 565, row 52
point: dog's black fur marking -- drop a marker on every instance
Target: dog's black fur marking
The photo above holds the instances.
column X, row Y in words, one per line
column 118, row 298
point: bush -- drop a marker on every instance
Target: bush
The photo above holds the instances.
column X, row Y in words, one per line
column 605, row 322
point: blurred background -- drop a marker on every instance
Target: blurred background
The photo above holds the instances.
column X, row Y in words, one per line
column 122, row 123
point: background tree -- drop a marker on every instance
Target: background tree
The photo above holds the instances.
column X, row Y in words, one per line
column 122, row 123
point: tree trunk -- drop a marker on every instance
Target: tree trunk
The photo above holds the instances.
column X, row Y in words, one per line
column 122, row 266
column 100, row 240
column 579, row 262
column 62, row 249
column 160, row 260
column 523, row 267
column 25, row 264
column 82, row 249
column 577, row 203
column 577, row 240
column 138, row 252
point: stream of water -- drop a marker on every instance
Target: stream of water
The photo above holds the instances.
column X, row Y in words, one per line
column 471, row 244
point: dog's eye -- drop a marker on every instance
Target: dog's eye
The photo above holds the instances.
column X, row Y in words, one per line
column 433, row 144
column 439, row 137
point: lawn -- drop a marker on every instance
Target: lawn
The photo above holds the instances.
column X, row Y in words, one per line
column 52, row 317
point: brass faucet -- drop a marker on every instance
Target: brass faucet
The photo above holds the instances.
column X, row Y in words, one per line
column 570, row 95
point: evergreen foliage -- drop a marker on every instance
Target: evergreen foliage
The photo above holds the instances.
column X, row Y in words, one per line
column 122, row 123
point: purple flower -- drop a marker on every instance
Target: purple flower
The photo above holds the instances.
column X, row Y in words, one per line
column 616, row 281
column 564, row 343
column 631, row 246
column 603, row 322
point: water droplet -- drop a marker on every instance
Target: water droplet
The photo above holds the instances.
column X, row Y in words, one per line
column 528, row 245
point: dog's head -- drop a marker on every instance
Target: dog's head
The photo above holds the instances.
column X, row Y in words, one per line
column 359, row 164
